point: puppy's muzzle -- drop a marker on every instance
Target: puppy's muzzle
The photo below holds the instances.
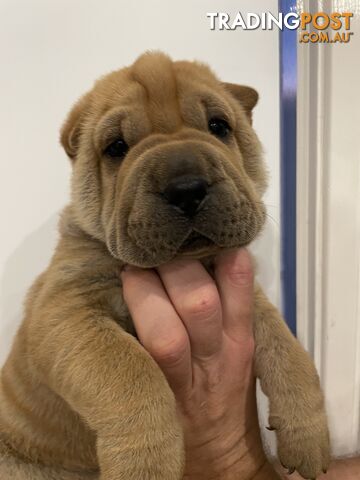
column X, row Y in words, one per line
column 186, row 193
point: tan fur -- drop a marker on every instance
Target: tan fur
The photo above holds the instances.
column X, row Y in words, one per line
column 79, row 396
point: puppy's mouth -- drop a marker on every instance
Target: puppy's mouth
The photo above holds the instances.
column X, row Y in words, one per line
column 195, row 242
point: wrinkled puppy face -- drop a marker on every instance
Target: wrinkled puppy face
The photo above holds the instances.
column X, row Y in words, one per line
column 165, row 162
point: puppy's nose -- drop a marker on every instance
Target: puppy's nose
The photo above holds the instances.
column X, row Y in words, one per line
column 186, row 193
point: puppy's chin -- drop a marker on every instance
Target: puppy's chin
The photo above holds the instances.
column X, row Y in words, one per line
column 197, row 246
column 194, row 246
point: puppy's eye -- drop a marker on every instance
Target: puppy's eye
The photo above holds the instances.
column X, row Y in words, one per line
column 117, row 149
column 219, row 127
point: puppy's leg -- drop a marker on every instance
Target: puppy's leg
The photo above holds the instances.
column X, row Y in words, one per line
column 12, row 470
column 108, row 378
column 289, row 378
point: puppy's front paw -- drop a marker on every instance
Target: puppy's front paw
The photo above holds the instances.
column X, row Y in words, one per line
column 303, row 445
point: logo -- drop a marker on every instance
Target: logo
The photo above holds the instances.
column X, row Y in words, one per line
column 317, row 27
column 325, row 28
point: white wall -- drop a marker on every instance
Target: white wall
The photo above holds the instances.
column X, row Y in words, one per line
column 340, row 353
column 53, row 51
column 329, row 225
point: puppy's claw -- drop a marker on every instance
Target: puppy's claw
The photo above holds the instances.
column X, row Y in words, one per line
column 291, row 470
column 270, row 428
column 324, row 471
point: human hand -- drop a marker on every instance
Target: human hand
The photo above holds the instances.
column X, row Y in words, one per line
column 199, row 330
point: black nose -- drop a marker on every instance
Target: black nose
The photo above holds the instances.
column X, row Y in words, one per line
column 186, row 193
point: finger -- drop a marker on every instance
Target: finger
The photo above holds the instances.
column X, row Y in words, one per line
column 194, row 294
column 235, row 279
column 159, row 328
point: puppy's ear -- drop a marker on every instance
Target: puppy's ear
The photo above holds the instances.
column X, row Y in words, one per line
column 71, row 129
column 246, row 96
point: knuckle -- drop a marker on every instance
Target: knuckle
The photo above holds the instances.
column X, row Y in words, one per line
column 202, row 303
column 169, row 352
column 214, row 381
column 240, row 276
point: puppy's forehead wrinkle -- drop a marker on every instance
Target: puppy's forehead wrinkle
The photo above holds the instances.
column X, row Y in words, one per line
column 155, row 73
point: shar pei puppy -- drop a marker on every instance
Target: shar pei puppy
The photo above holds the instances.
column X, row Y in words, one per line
column 165, row 163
